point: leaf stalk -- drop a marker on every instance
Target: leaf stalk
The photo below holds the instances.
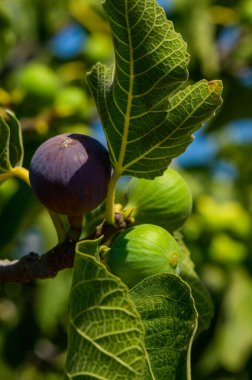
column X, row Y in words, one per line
column 109, row 215
column 21, row 173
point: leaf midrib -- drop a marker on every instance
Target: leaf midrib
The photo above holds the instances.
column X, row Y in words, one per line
column 102, row 349
column 119, row 165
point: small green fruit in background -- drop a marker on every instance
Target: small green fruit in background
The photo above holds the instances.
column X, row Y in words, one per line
column 99, row 47
column 165, row 201
column 142, row 251
column 36, row 79
column 71, row 100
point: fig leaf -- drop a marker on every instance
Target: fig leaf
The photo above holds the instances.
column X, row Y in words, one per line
column 106, row 335
column 168, row 312
column 147, row 118
column 5, row 165
column 16, row 141
column 11, row 143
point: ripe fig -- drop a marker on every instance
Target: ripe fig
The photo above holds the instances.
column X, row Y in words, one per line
column 69, row 173
column 142, row 251
column 165, row 201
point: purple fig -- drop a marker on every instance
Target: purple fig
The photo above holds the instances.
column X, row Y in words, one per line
column 69, row 173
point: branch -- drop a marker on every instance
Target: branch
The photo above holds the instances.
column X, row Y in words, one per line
column 34, row 266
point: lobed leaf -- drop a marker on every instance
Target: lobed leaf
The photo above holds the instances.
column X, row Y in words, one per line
column 146, row 118
column 106, row 333
column 168, row 312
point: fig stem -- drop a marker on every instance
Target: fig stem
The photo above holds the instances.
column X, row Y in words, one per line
column 109, row 216
column 21, row 173
column 5, row 176
column 75, row 222
column 59, row 226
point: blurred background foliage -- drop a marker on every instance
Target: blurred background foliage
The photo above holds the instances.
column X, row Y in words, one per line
column 46, row 47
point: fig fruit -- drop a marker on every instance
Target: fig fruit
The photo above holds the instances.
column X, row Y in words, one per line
column 142, row 251
column 69, row 173
column 165, row 201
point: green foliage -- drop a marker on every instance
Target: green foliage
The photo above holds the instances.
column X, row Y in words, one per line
column 135, row 97
column 99, row 299
column 11, row 144
column 5, row 138
column 215, row 273
column 170, row 319
column 105, row 331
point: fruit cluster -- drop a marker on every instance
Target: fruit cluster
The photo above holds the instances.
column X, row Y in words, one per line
column 70, row 174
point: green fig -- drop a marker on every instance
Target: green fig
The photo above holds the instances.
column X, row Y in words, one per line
column 165, row 201
column 143, row 251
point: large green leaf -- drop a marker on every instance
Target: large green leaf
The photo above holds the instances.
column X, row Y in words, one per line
column 106, row 334
column 170, row 318
column 147, row 123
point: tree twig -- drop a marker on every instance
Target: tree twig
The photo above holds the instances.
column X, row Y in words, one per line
column 47, row 265
column 34, row 266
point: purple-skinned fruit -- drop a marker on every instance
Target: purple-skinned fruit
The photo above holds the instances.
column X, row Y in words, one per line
column 69, row 173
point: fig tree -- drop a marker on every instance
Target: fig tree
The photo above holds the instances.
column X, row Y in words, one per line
column 142, row 251
column 165, row 201
column 69, row 173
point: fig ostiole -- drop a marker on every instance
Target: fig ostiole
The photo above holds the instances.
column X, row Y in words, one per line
column 165, row 201
column 69, row 173
column 142, row 251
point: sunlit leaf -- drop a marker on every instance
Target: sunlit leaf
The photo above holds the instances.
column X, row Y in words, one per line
column 170, row 319
column 145, row 122
column 11, row 143
column 16, row 141
column 106, row 333
column 5, row 165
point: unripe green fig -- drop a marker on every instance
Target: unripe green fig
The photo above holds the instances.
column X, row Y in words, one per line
column 142, row 251
column 165, row 201
column 70, row 173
